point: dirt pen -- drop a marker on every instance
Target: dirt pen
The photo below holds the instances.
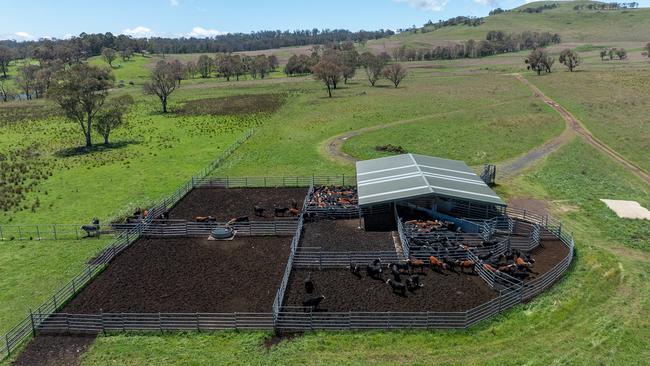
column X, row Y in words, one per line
column 188, row 275
column 226, row 203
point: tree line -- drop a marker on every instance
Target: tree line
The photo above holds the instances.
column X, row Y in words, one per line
column 606, row 6
column 539, row 9
column 495, row 42
column 87, row 45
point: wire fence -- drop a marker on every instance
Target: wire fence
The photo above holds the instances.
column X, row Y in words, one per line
column 49, row 232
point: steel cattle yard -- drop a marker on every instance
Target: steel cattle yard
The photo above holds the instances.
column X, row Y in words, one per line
column 313, row 269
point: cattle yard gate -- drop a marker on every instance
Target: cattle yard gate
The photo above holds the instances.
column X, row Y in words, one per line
column 511, row 291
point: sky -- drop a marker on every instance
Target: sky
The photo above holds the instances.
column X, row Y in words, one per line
column 33, row 19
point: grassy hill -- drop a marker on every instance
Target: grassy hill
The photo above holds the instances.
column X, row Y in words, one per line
column 631, row 25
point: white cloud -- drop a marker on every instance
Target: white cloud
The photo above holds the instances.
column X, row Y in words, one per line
column 174, row 2
column 492, row 3
column 430, row 5
column 23, row 35
column 139, row 31
column 200, row 32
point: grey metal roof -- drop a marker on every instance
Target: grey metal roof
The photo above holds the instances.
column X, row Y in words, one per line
column 410, row 175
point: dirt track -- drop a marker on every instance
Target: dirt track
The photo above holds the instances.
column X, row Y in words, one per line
column 333, row 146
column 580, row 130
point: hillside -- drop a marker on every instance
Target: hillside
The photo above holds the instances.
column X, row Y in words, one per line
column 631, row 25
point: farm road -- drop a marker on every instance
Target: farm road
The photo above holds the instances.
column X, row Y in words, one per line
column 574, row 126
column 333, row 147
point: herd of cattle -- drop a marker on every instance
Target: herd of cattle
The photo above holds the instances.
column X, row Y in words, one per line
column 405, row 276
column 334, row 197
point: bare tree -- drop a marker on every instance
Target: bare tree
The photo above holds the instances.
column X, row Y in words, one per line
column 81, row 91
column 395, row 73
column 570, row 59
column 26, row 80
column 191, row 69
column 205, row 66
column 6, row 56
column 373, row 65
column 109, row 55
column 112, row 115
column 329, row 71
column 163, row 81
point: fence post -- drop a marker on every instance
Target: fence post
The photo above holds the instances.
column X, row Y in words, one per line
column 101, row 315
column 53, row 230
column 1, row 237
column 160, row 323
column 31, row 318
column 198, row 323
column 236, row 324
column 20, row 233
column 7, row 342
column 76, row 231
column 38, row 233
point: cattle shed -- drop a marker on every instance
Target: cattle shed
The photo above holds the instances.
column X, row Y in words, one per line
column 439, row 188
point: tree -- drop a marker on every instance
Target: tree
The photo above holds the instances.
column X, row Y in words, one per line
column 6, row 92
column 349, row 62
column 26, row 80
column 395, row 73
column 539, row 61
column 80, row 91
column 621, row 53
column 178, row 69
column 570, row 59
column 162, row 82
column 273, row 62
column 112, row 115
column 205, row 65
column 126, row 54
column 329, row 71
column 109, row 55
column 6, row 56
column 647, row 49
column 603, row 54
column 225, row 66
column 191, row 69
column 373, row 65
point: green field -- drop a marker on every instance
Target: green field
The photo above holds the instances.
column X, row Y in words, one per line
column 574, row 26
column 613, row 104
column 468, row 109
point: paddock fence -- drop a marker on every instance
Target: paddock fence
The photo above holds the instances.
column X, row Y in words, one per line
column 39, row 232
column 124, row 322
column 279, row 296
column 285, row 227
column 292, row 319
column 315, row 257
column 275, row 182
